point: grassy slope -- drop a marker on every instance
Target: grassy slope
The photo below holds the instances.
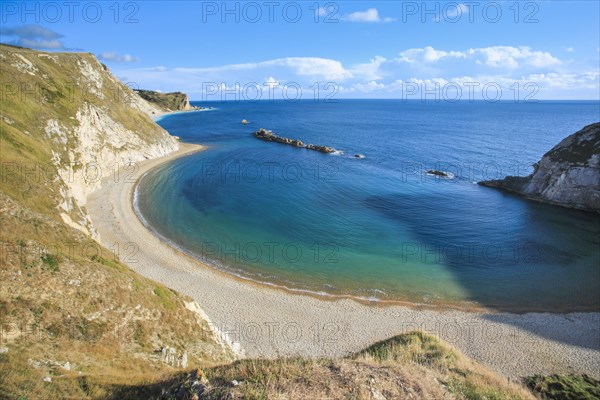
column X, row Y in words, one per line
column 409, row 366
column 565, row 387
column 64, row 298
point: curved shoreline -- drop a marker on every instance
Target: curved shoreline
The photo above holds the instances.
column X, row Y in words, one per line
column 221, row 268
column 269, row 322
column 372, row 302
column 324, row 296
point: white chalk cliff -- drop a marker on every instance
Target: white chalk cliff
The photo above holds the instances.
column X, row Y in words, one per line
column 82, row 121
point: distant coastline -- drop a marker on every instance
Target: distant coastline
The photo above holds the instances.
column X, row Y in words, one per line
column 159, row 116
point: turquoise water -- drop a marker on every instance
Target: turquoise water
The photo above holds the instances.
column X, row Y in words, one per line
column 379, row 227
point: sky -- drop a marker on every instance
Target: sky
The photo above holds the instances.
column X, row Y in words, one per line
column 258, row 50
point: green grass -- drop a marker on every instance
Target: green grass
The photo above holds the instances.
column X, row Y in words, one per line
column 165, row 296
column 580, row 151
column 416, row 347
column 50, row 261
column 109, row 263
column 564, row 387
column 469, row 390
column 424, row 350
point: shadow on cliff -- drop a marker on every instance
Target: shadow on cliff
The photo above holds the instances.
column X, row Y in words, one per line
column 154, row 390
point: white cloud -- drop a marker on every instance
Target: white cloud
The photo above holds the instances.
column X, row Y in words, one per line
column 370, row 15
column 512, row 57
column 31, row 32
column 386, row 77
column 531, row 87
column 495, row 56
column 41, row 44
column 271, row 82
column 276, row 73
column 452, row 12
column 114, row 57
column 322, row 12
column 35, row 37
column 460, row 9
column 368, row 87
column 428, row 55
column 370, row 70
column 311, row 67
column 315, row 67
column 587, row 80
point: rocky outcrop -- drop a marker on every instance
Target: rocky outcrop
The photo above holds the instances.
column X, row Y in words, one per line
column 568, row 175
column 190, row 386
column 441, row 174
column 322, row 149
column 269, row 136
column 175, row 101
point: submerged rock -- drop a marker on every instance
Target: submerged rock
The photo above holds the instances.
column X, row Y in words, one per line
column 568, row 175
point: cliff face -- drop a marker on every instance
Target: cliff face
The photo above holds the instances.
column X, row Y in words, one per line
column 175, row 101
column 67, row 117
column 568, row 175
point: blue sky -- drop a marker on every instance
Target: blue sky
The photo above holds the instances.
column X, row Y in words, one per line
column 214, row 50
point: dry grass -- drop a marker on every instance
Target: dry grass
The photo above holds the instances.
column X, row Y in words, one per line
column 64, row 299
column 409, row 366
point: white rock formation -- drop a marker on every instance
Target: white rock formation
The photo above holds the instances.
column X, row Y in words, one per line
column 568, row 175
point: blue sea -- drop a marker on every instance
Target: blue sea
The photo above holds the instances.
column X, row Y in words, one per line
column 380, row 228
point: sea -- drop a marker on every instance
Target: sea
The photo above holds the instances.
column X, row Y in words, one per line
column 371, row 221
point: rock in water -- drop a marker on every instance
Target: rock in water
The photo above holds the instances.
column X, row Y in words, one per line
column 568, row 175
column 322, row 149
column 269, row 136
column 438, row 173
